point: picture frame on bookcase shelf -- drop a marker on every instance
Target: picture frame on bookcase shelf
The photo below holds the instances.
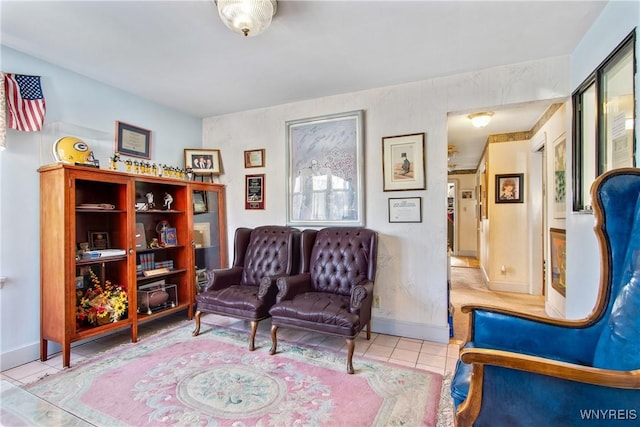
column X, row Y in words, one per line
column 203, row 162
column 171, row 237
column 200, row 202
column 99, row 240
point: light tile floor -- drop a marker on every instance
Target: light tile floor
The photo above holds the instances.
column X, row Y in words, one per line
column 425, row 355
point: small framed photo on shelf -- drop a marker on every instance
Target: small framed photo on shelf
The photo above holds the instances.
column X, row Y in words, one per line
column 98, row 240
column 254, row 191
column 133, row 141
column 509, row 188
column 254, row 158
column 79, row 282
column 407, row 209
column 202, row 162
column 171, row 237
column 200, row 202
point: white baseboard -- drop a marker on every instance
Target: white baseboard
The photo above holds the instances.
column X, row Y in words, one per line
column 411, row 330
column 472, row 254
column 19, row 356
column 522, row 288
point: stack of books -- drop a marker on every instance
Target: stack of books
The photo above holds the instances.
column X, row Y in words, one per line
column 165, row 264
column 147, row 261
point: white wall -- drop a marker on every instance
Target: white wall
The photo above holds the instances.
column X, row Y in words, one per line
column 509, row 237
column 615, row 22
column 554, row 130
column 466, row 221
column 78, row 103
column 411, row 280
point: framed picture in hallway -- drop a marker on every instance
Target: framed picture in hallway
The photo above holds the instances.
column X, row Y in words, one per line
column 558, row 254
column 559, row 182
column 403, row 162
column 509, row 188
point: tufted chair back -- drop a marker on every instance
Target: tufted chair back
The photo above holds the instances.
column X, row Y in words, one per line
column 619, row 344
column 270, row 252
column 341, row 258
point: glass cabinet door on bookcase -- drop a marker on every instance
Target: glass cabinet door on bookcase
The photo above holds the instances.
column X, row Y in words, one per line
column 209, row 230
column 162, row 247
column 102, row 242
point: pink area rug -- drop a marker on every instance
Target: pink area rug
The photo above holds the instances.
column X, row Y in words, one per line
column 173, row 378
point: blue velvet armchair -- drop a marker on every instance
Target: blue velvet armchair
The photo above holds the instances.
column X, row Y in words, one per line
column 521, row 370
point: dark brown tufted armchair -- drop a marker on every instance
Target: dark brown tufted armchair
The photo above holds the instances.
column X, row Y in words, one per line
column 247, row 290
column 334, row 292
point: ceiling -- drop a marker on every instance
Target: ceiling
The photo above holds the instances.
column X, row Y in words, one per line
column 179, row 53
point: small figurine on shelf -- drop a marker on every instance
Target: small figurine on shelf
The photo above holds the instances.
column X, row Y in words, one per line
column 161, row 229
column 128, row 164
column 150, row 203
column 167, row 201
column 83, row 247
column 154, row 244
column 136, row 166
column 154, row 169
column 189, row 174
column 114, row 161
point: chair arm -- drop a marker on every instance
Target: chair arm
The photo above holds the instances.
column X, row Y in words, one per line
column 557, row 392
column 268, row 286
column 361, row 296
column 502, row 329
column 553, row 368
column 223, row 278
column 290, row 286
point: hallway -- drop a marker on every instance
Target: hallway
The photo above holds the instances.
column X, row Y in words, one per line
column 468, row 286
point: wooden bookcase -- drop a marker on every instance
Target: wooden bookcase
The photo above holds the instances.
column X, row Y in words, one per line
column 82, row 204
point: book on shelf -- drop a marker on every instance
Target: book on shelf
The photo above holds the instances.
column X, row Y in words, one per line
column 103, row 253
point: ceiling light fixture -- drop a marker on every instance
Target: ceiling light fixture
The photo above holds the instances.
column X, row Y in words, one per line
column 480, row 120
column 248, row 17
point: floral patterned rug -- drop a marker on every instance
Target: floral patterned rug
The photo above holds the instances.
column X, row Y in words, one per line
column 173, row 378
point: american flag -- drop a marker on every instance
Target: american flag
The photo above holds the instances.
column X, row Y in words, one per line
column 25, row 102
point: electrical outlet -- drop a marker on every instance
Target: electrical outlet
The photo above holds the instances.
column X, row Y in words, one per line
column 376, row 301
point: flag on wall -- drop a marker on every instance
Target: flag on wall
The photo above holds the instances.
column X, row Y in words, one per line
column 3, row 115
column 25, row 102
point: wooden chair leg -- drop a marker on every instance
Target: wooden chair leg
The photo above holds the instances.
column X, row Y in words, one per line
column 252, row 337
column 351, row 345
column 274, row 340
column 196, row 331
column 369, row 330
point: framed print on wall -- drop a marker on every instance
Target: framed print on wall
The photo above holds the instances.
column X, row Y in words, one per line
column 202, row 162
column 325, row 170
column 509, row 188
column 408, row 209
column 558, row 247
column 403, row 162
column 133, row 141
column 254, row 192
column 559, row 183
column 254, row 158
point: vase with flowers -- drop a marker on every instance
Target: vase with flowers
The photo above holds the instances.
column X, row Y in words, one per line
column 101, row 303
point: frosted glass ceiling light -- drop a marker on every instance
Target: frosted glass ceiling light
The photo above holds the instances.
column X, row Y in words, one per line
column 480, row 120
column 248, row 17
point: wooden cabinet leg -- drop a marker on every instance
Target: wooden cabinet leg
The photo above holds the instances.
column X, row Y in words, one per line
column 43, row 350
